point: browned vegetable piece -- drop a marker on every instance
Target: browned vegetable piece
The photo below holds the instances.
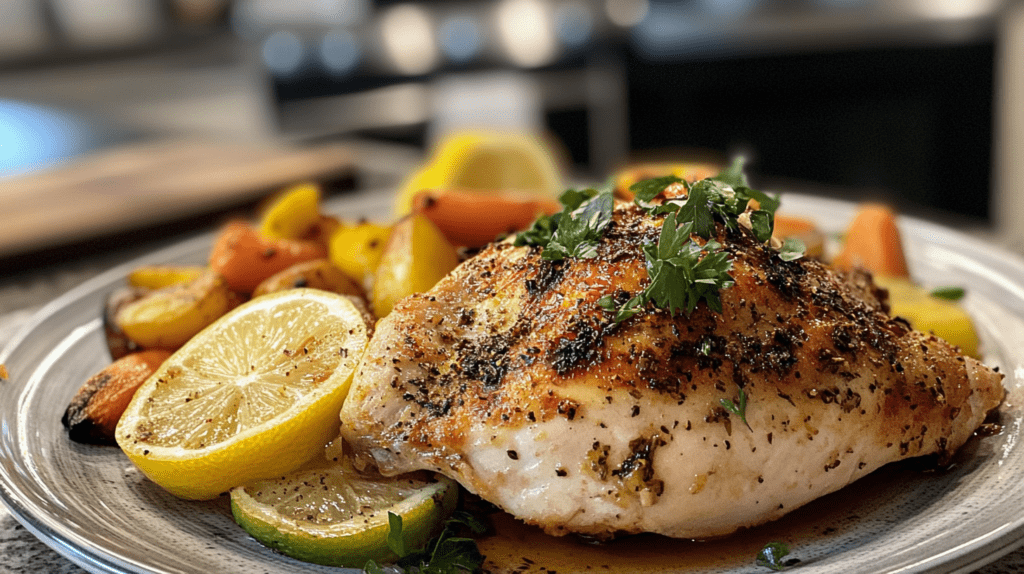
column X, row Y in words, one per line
column 167, row 318
column 94, row 411
column 118, row 343
column 317, row 274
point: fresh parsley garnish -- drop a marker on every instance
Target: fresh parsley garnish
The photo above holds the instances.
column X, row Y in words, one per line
column 682, row 271
column 771, row 556
column 444, row 554
column 576, row 230
column 646, row 190
column 579, row 231
column 948, row 293
column 738, row 408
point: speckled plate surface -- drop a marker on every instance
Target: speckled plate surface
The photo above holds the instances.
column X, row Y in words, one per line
column 90, row 505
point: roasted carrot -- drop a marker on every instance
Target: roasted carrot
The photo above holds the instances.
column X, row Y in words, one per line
column 94, row 411
column 474, row 218
column 244, row 258
column 873, row 243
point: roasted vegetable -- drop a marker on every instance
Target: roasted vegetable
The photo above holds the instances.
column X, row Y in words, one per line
column 873, row 243
column 166, row 318
column 160, row 276
column 293, row 214
column 415, row 257
column 356, row 250
column 317, row 274
column 118, row 343
column 475, row 218
column 244, row 258
column 94, row 411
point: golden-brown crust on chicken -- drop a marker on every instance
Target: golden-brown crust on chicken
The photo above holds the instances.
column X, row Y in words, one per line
column 511, row 378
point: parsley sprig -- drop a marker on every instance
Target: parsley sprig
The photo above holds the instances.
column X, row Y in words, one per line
column 444, row 554
column 576, row 230
column 682, row 272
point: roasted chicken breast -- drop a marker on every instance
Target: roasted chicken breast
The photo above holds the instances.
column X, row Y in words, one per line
column 509, row 377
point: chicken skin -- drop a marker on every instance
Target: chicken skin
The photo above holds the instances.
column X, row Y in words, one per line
column 511, row 378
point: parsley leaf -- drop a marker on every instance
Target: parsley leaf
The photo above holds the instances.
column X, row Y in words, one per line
column 762, row 223
column 772, row 554
column 444, row 554
column 738, row 408
column 948, row 293
column 734, row 174
column 395, row 540
column 576, row 230
column 648, row 189
column 579, row 231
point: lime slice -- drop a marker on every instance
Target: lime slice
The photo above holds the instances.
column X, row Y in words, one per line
column 330, row 514
column 254, row 395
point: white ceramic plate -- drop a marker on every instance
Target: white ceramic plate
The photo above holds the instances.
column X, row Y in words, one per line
column 90, row 505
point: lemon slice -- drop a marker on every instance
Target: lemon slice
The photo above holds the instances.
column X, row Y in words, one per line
column 332, row 515
column 487, row 161
column 254, row 395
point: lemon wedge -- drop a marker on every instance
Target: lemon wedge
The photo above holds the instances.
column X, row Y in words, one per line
column 488, row 161
column 330, row 514
column 254, row 395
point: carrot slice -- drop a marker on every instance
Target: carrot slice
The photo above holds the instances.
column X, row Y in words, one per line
column 873, row 243
column 93, row 413
column 245, row 259
column 473, row 218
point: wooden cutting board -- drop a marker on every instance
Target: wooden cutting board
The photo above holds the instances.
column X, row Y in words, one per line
column 140, row 185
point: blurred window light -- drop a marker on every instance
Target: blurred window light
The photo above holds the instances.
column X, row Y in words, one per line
column 251, row 18
column 33, row 136
column 101, row 23
column 340, row 52
column 459, row 37
column 626, row 13
column 525, row 30
column 22, row 27
column 955, row 9
column 283, row 53
column 574, row 24
column 407, row 32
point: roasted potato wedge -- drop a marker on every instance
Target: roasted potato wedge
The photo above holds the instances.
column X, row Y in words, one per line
column 317, row 274
column 169, row 317
column 160, row 276
column 416, row 256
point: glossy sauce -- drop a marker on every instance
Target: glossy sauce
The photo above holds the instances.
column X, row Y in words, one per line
column 518, row 548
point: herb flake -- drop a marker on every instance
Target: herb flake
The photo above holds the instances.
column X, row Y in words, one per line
column 949, row 293
column 772, row 555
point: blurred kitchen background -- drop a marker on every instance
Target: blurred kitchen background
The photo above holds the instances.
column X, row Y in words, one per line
column 917, row 102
